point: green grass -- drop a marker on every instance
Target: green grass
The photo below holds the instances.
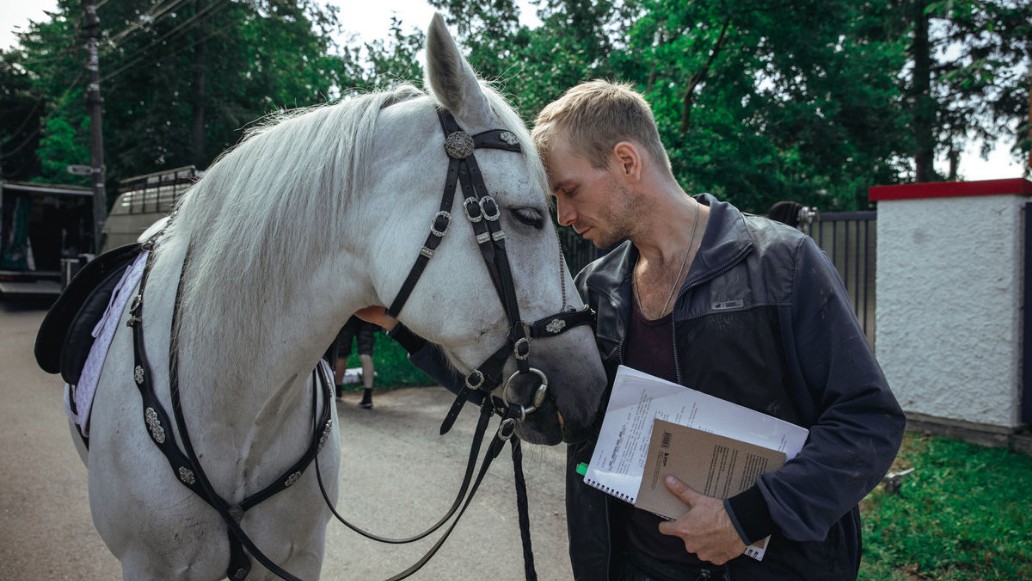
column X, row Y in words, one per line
column 965, row 513
column 393, row 369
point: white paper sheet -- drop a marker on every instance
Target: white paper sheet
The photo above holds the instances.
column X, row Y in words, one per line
column 637, row 399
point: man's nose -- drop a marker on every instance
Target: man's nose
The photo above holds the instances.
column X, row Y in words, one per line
column 564, row 212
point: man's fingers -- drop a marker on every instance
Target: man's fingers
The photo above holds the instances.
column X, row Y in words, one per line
column 681, row 490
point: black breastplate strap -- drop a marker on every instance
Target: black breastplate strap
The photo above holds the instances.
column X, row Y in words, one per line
column 185, row 464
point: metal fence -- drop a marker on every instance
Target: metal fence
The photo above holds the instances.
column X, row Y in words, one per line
column 850, row 241
column 848, row 238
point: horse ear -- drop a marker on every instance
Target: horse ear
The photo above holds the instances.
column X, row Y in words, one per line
column 452, row 80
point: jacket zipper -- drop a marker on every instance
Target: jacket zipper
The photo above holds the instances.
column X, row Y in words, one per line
column 684, row 290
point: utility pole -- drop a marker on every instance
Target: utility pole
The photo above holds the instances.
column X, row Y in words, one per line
column 94, row 103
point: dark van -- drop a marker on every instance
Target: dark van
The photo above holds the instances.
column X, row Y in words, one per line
column 40, row 226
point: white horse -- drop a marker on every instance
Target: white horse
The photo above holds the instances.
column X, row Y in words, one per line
column 310, row 218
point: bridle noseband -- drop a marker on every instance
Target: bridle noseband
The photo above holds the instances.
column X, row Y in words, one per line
column 483, row 213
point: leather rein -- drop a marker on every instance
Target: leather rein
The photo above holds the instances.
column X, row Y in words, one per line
column 483, row 213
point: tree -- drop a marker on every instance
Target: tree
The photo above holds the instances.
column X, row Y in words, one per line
column 770, row 100
column 382, row 63
column 20, row 110
column 51, row 61
column 181, row 80
column 982, row 74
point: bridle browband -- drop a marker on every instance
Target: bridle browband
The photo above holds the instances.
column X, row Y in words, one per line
column 483, row 213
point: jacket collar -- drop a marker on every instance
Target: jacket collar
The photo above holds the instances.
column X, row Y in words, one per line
column 724, row 243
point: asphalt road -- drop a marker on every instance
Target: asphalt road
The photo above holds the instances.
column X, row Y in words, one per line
column 398, row 477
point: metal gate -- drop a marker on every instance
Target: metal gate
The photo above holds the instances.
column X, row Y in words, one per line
column 850, row 241
column 848, row 238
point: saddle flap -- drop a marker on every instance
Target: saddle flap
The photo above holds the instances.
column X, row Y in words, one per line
column 79, row 307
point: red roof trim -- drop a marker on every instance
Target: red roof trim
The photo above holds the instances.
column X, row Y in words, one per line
column 1015, row 187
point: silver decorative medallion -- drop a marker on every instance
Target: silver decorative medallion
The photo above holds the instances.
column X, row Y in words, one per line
column 138, row 375
column 186, row 475
column 325, row 434
column 292, row 479
column 154, row 425
column 459, row 145
column 555, row 326
column 508, row 137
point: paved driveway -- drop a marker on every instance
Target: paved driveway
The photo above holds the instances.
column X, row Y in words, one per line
column 398, row 477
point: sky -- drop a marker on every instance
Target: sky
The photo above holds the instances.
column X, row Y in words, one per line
column 371, row 20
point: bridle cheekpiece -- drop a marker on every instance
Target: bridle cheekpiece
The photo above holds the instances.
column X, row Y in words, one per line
column 483, row 213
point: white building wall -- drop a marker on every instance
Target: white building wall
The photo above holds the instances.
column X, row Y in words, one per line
column 949, row 305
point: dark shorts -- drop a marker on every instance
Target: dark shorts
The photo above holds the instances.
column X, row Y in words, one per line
column 355, row 330
column 358, row 331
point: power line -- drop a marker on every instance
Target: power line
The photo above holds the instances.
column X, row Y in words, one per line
column 148, row 19
column 4, row 154
column 211, row 9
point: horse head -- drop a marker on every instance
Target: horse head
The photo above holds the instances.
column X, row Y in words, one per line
column 460, row 301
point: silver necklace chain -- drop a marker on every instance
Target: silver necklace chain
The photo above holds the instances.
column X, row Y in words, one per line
column 677, row 280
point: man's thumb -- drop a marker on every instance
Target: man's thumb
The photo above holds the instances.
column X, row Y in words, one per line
column 680, row 489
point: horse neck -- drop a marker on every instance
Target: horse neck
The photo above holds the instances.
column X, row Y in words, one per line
column 254, row 366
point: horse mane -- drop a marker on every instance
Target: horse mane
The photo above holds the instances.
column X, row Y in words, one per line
column 272, row 206
column 267, row 208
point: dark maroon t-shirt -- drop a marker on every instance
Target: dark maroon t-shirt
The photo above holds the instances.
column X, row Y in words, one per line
column 650, row 348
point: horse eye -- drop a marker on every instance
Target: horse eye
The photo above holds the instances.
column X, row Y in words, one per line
column 530, row 216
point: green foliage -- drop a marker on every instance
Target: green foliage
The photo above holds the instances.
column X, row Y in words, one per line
column 393, row 369
column 61, row 142
column 20, row 112
column 813, row 100
column 382, row 63
column 179, row 86
column 962, row 514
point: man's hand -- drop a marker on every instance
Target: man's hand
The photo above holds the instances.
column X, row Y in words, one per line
column 706, row 529
column 376, row 315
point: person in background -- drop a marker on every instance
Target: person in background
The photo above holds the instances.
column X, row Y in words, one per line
column 355, row 330
column 786, row 212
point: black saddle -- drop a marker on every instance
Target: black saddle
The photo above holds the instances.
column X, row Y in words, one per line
column 65, row 337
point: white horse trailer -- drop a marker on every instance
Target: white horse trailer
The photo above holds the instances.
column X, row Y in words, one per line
column 143, row 200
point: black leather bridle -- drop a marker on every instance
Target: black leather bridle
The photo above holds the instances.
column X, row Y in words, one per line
column 483, row 213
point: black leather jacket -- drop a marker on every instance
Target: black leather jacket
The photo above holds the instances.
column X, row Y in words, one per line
column 764, row 321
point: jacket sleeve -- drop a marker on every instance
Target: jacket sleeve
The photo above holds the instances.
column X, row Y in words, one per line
column 855, row 422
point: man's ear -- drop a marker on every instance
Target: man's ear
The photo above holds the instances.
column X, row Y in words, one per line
column 628, row 157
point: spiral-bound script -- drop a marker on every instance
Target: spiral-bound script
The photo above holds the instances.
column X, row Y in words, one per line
column 618, row 463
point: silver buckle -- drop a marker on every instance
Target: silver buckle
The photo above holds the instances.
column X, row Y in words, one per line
column 487, row 213
column 471, row 202
column 433, row 224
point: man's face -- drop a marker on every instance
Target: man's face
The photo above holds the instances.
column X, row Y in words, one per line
column 595, row 202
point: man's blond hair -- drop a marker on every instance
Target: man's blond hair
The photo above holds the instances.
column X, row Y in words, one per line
column 596, row 115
